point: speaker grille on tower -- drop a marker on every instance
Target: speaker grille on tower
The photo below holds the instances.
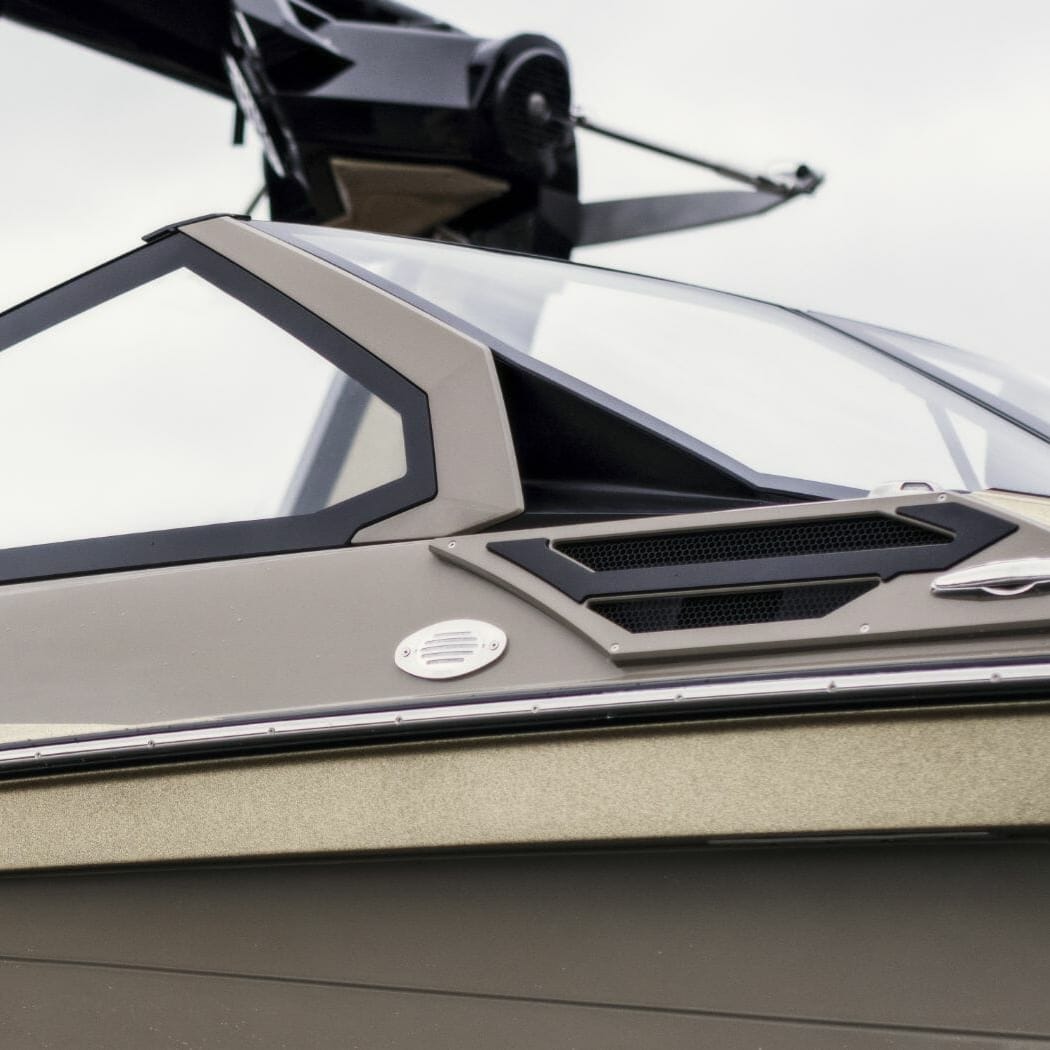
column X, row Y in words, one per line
column 532, row 104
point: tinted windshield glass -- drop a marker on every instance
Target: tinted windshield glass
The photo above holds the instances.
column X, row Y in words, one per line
column 1025, row 398
column 175, row 405
column 781, row 394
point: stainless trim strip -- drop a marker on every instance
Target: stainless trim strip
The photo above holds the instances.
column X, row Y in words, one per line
column 688, row 697
column 994, row 579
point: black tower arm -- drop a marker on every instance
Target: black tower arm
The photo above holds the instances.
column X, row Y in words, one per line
column 181, row 40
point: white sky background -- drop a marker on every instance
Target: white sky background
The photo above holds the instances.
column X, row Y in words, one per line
column 931, row 119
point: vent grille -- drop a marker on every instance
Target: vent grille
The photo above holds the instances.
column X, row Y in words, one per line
column 730, row 609
column 450, row 649
column 744, row 543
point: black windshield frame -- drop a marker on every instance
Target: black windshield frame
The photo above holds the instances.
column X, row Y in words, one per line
column 327, row 528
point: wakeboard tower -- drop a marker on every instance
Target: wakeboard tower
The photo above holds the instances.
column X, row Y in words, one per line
column 379, row 117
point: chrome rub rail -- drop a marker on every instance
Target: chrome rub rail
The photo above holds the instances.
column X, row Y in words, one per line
column 738, row 695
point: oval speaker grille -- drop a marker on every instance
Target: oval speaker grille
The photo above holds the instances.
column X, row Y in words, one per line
column 744, row 543
column 683, row 612
column 450, row 649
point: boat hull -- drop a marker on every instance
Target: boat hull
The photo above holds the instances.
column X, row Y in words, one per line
column 903, row 943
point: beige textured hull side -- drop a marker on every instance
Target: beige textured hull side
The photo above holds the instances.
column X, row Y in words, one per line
column 909, row 770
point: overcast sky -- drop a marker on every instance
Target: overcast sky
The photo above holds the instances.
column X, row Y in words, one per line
column 930, row 118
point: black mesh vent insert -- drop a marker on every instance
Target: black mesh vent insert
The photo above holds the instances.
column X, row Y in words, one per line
column 686, row 612
column 745, row 542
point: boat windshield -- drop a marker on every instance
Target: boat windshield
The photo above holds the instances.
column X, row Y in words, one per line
column 781, row 394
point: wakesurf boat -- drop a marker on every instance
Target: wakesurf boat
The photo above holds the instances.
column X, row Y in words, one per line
column 405, row 644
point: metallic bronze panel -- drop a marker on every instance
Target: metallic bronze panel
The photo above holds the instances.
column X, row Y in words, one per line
column 477, row 469
column 898, row 611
